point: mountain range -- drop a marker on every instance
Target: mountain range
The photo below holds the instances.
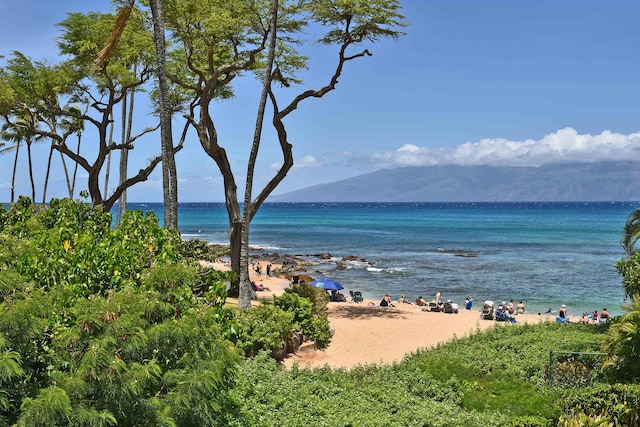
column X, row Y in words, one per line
column 598, row 181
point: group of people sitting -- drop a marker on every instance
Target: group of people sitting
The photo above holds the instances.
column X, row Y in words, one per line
column 594, row 318
column 337, row 296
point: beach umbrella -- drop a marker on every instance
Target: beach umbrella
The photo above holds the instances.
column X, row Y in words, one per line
column 328, row 284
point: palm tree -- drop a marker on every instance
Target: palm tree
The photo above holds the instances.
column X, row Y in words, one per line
column 631, row 232
column 169, row 174
column 621, row 344
column 5, row 150
column 22, row 130
column 72, row 125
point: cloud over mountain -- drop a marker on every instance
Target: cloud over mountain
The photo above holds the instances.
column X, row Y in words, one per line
column 563, row 146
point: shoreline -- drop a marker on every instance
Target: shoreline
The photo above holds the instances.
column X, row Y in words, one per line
column 364, row 334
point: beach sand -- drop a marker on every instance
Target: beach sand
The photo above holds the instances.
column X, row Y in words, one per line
column 363, row 334
column 366, row 335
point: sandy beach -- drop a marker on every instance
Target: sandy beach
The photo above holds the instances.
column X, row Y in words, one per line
column 364, row 334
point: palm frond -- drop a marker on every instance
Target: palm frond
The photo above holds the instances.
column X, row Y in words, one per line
column 631, row 232
column 112, row 43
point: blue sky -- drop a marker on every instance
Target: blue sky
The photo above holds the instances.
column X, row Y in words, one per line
column 473, row 82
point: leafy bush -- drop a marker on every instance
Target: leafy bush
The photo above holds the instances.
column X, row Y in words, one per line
column 265, row 328
column 199, row 249
column 72, row 243
column 317, row 327
column 620, row 403
column 621, row 345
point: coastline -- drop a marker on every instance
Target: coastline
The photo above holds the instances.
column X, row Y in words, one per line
column 365, row 334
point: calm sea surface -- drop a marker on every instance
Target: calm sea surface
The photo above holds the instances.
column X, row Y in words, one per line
column 546, row 254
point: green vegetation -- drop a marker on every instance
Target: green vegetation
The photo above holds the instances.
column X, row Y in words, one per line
column 103, row 327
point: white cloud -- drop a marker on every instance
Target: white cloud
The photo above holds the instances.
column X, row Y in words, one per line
column 563, row 146
column 307, row 162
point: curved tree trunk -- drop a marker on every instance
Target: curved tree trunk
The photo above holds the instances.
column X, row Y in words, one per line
column 246, row 290
column 13, row 174
column 169, row 174
column 33, row 183
column 75, row 168
column 66, row 175
column 46, row 176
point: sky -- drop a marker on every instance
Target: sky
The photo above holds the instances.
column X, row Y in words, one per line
column 497, row 82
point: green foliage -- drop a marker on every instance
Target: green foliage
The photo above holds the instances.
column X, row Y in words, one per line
column 17, row 220
column 619, row 403
column 78, row 348
column 622, row 345
column 316, row 323
column 201, row 250
column 492, row 378
column 71, row 243
column 318, row 297
column 265, row 328
column 629, row 269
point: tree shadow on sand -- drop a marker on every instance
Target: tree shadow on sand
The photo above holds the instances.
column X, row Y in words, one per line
column 351, row 311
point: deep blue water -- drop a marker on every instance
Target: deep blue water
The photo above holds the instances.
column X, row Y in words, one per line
column 546, row 254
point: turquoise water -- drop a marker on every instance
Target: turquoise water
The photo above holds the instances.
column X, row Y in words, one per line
column 546, row 254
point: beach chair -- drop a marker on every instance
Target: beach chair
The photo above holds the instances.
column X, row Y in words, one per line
column 356, row 296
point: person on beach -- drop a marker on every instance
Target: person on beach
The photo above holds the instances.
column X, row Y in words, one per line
column 563, row 312
column 520, row 308
column 468, row 303
column 604, row 315
column 584, row 319
column 510, row 307
column 439, row 296
column 421, row 301
column 594, row 317
column 403, row 300
column 269, row 269
column 386, row 301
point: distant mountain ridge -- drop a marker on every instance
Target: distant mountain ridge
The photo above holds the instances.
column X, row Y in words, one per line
column 598, row 181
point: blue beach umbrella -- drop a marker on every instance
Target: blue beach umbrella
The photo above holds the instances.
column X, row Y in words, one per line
column 328, row 284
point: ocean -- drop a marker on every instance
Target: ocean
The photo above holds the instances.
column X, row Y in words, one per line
column 545, row 254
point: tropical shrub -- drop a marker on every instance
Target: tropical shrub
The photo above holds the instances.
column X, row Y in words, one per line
column 622, row 344
column 265, row 328
column 72, row 243
column 102, row 327
column 17, row 220
column 618, row 403
column 317, row 326
column 201, row 250
column 629, row 269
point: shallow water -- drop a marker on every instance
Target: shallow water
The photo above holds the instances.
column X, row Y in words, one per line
column 546, row 254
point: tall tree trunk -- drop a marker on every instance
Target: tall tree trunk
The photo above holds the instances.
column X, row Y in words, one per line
column 249, row 209
column 13, row 174
column 33, row 183
column 75, row 169
column 169, row 174
column 66, row 175
column 124, row 159
column 46, row 176
column 108, row 168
